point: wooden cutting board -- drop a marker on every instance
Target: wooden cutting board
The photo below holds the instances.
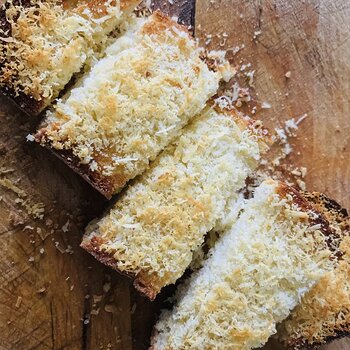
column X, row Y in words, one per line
column 55, row 296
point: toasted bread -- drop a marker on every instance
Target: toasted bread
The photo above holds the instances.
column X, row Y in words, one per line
column 278, row 247
column 132, row 104
column 324, row 313
column 44, row 43
column 162, row 218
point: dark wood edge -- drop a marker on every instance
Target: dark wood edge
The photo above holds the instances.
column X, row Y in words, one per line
column 25, row 103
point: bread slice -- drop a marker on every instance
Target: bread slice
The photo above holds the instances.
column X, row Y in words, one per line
column 160, row 220
column 254, row 276
column 324, row 313
column 44, row 42
column 132, row 104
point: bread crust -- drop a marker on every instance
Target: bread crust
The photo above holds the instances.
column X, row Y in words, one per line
column 306, row 202
column 93, row 247
column 102, row 184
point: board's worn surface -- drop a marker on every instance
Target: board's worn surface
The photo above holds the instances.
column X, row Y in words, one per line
column 311, row 40
column 55, row 296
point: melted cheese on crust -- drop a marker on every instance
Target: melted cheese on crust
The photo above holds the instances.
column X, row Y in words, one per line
column 254, row 276
column 134, row 101
column 48, row 41
column 153, row 230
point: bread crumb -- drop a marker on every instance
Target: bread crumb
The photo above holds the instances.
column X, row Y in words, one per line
column 18, row 302
column 133, row 309
column 265, row 105
column 42, row 290
column 30, row 138
column 107, row 287
column 65, row 227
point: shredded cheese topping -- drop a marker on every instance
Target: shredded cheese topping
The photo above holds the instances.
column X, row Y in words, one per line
column 161, row 220
column 254, row 276
column 46, row 42
column 325, row 311
column 134, row 101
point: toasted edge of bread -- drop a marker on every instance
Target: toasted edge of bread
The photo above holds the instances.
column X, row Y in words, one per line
column 93, row 247
column 99, row 183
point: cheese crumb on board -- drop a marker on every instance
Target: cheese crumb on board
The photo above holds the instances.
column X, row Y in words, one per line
column 33, row 208
column 254, row 276
column 154, row 229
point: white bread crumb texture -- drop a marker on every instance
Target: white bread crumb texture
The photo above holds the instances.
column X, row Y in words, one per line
column 255, row 275
column 48, row 41
column 163, row 218
column 135, row 100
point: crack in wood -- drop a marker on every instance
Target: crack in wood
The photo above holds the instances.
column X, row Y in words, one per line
column 52, row 325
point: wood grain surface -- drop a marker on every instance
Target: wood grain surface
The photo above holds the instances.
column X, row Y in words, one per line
column 311, row 40
column 53, row 295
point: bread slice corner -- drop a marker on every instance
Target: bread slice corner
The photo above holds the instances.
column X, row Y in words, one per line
column 45, row 43
column 324, row 312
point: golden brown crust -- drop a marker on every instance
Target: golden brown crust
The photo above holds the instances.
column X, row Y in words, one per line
column 102, row 184
column 93, row 247
column 304, row 202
